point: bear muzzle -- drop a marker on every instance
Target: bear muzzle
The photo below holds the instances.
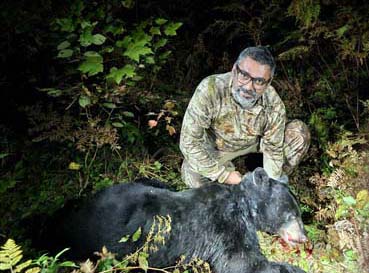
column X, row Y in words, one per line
column 293, row 233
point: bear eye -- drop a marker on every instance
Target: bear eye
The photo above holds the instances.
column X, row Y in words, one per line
column 290, row 217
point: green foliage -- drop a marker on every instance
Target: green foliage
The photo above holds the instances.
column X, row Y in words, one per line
column 108, row 62
column 12, row 178
column 49, row 264
column 106, row 48
column 357, row 208
column 305, row 11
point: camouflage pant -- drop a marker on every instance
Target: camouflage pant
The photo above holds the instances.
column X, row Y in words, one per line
column 296, row 144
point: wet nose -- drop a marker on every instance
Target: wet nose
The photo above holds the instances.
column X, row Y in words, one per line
column 303, row 238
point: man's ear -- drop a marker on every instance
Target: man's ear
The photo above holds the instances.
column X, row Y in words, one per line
column 234, row 70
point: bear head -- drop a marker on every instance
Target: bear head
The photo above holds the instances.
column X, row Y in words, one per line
column 273, row 207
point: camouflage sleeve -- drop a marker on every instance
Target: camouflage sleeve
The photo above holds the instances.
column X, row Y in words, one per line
column 194, row 145
column 273, row 138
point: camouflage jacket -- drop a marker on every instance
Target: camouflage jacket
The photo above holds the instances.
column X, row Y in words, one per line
column 214, row 123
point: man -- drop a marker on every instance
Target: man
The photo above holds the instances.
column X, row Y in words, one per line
column 237, row 113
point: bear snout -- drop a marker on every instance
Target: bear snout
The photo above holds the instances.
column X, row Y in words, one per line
column 293, row 233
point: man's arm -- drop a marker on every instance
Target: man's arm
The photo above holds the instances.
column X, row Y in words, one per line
column 194, row 144
column 273, row 138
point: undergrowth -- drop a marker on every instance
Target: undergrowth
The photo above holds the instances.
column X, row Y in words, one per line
column 11, row 257
column 339, row 229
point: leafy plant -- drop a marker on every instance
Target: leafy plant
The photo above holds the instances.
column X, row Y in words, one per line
column 49, row 264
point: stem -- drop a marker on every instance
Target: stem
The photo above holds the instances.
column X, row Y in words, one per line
column 354, row 117
column 325, row 62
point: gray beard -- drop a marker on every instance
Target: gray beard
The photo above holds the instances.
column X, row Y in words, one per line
column 245, row 103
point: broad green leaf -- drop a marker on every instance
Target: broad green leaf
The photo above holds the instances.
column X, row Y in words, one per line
column 128, row 3
column 115, row 74
column 124, row 239
column 84, row 101
column 157, row 165
column 98, row 39
column 85, row 24
column 51, row 91
column 349, row 200
column 128, row 71
column 125, row 42
column 91, row 68
column 171, row 29
column 142, row 261
column 136, row 50
column 150, row 60
column 108, row 49
column 162, row 42
column 165, row 55
column 116, row 30
column 141, row 37
column 155, row 31
column 136, row 235
column 63, row 45
column 160, row 21
column 342, row 30
column 92, row 54
column 109, row 105
column 86, row 38
column 66, row 24
column 118, row 125
column 128, row 114
column 65, row 53
column 68, row 264
column 92, row 63
column 137, row 78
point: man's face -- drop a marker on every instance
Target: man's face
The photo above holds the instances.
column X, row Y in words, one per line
column 250, row 80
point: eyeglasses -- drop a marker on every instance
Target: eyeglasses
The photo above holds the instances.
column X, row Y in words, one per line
column 245, row 78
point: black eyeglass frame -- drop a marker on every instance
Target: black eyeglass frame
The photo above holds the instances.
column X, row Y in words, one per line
column 248, row 78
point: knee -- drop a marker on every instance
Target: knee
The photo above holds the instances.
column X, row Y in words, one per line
column 296, row 143
column 298, row 132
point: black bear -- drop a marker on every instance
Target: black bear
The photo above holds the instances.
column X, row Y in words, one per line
column 216, row 223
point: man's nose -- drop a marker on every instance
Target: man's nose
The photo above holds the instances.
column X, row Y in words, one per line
column 249, row 85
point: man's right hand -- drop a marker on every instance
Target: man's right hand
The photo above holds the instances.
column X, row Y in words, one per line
column 233, row 178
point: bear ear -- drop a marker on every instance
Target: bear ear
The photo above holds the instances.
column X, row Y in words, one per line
column 260, row 177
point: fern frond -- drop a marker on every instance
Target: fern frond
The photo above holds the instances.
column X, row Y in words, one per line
column 22, row 266
column 33, row 270
column 10, row 255
column 293, row 53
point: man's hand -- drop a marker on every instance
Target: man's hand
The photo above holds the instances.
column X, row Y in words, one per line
column 233, row 178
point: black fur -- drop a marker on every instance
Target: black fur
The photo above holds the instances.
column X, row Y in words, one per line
column 216, row 222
